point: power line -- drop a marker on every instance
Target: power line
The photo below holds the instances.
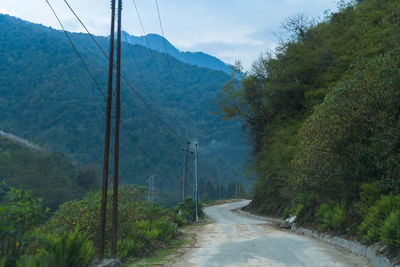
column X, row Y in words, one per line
column 137, row 66
column 126, row 80
column 147, row 40
column 97, row 84
column 151, row 53
column 165, row 47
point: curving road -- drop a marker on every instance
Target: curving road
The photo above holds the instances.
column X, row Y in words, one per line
column 235, row 240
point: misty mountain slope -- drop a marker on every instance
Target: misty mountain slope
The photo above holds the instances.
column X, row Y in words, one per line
column 156, row 42
column 47, row 96
column 50, row 176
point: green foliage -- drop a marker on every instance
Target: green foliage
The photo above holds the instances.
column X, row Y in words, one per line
column 332, row 215
column 304, row 206
column 68, row 237
column 68, row 250
column 19, row 214
column 370, row 193
column 371, row 227
column 187, row 210
column 390, row 230
column 55, row 104
column 50, row 176
column 349, row 137
column 143, row 226
column 322, row 114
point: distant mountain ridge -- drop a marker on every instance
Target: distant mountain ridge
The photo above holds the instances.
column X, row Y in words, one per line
column 47, row 97
column 156, row 42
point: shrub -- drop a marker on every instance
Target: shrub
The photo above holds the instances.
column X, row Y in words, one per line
column 303, row 207
column 377, row 214
column 130, row 247
column 390, row 230
column 19, row 214
column 332, row 215
column 69, row 250
column 370, row 193
column 187, row 210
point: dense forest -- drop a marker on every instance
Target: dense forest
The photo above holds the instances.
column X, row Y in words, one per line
column 47, row 96
column 50, row 176
column 322, row 113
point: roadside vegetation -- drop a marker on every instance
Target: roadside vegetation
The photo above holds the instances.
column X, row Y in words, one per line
column 30, row 236
column 323, row 115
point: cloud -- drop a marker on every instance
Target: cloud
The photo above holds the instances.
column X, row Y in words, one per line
column 5, row 11
column 229, row 52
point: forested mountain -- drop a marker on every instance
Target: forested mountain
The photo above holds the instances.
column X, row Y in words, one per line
column 323, row 116
column 47, row 96
column 50, row 176
column 159, row 43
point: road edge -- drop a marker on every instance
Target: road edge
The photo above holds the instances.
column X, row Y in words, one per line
column 352, row 246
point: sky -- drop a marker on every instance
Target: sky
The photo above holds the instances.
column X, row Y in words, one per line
column 228, row 29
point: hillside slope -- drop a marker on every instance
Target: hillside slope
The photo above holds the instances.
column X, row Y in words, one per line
column 50, row 176
column 156, row 42
column 323, row 116
column 47, row 96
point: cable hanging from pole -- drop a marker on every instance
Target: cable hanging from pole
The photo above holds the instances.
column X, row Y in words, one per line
column 98, row 87
column 126, row 80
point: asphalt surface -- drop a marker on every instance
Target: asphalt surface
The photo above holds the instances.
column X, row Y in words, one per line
column 236, row 240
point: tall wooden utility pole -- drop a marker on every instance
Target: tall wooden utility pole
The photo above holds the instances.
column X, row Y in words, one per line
column 185, row 170
column 107, row 137
column 196, row 188
column 116, row 138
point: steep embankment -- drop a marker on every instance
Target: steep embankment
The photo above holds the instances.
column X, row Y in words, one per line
column 323, row 115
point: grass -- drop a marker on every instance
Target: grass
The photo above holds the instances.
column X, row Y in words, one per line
column 175, row 250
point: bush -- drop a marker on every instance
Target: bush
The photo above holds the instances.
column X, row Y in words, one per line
column 370, row 193
column 19, row 214
column 187, row 210
column 146, row 236
column 390, row 230
column 370, row 227
column 130, row 247
column 332, row 215
column 303, row 207
column 69, row 250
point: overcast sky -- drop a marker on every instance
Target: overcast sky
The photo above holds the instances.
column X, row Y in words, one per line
column 228, row 29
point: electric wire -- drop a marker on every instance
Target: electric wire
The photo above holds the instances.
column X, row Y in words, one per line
column 154, row 112
column 137, row 66
column 147, row 41
column 98, row 86
column 151, row 53
column 165, row 47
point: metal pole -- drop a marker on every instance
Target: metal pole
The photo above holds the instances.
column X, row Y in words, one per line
column 239, row 186
column 185, row 170
column 116, row 138
column 107, row 137
column 219, row 175
column 236, row 187
column 196, row 192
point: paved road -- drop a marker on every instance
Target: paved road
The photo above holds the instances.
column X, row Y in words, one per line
column 235, row 240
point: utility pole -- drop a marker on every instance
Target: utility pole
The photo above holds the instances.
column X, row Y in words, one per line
column 116, row 138
column 150, row 187
column 219, row 175
column 239, row 186
column 107, row 137
column 196, row 188
column 236, row 187
column 185, row 169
